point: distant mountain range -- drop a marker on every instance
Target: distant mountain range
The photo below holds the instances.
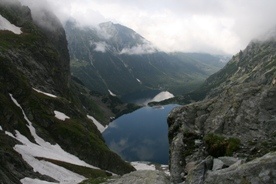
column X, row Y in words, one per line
column 114, row 59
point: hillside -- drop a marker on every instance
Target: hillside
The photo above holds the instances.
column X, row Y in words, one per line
column 113, row 58
column 46, row 134
column 236, row 119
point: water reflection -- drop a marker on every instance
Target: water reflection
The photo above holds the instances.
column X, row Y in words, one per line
column 141, row 135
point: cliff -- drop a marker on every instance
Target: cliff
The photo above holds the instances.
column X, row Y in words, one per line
column 44, row 127
column 237, row 117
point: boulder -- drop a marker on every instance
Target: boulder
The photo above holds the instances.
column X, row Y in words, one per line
column 260, row 170
column 142, row 177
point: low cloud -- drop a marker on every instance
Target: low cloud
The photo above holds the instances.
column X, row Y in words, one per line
column 212, row 26
column 139, row 49
column 100, row 46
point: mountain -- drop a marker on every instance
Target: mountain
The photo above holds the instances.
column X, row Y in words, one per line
column 207, row 63
column 48, row 130
column 114, row 59
column 235, row 119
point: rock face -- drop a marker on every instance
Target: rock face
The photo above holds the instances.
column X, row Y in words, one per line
column 239, row 106
column 261, row 170
column 38, row 59
column 142, row 177
column 48, row 45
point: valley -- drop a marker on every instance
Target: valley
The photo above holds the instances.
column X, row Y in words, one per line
column 99, row 103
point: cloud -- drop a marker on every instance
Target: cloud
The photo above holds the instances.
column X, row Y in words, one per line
column 145, row 48
column 212, row 26
column 99, row 46
column 120, row 146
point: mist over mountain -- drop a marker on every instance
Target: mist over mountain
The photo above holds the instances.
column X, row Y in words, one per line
column 61, row 83
column 112, row 57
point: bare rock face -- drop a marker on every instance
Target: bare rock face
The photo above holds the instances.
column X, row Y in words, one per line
column 260, row 170
column 142, row 177
column 240, row 105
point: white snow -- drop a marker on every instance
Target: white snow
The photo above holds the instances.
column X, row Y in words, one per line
column 110, row 92
column 6, row 25
column 41, row 148
column 143, row 166
column 1, row 128
column 165, row 169
column 164, row 95
column 9, row 134
column 61, row 116
column 138, row 80
column 34, row 181
column 48, row 94
column 100, row 127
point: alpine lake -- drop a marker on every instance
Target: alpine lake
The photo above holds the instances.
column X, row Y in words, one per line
column 141, row 135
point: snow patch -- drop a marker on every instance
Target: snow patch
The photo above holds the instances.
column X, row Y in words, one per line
column 139, row 81
column 34, row 181
column 100, row 127
column 165, row 169
column 143, row 166
column 164, row 95
column 48, row 94
column 61, row 116
column 30, row 151
column 110, row 92
column 9, row 134
column 6, row 25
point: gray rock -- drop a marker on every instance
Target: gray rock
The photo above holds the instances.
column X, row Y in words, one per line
column 227, row 161
column 260, row 170
column 240, row 103
column 142, row 177
column 177, row 161
column 197, row 174
column 217, row 165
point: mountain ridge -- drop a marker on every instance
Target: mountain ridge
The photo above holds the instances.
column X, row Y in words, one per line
column 237, row 110
column 126, row 63
column 36, row 92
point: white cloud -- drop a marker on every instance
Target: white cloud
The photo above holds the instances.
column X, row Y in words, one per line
column 100, row 46
column 213, row 26
column 139, row 49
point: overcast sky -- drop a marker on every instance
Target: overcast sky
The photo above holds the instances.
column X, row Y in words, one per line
column 212, row 26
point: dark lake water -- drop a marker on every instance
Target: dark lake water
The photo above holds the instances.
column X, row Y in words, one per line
column 141, row 135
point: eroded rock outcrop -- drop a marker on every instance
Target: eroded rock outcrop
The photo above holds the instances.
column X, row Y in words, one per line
column 142, row 177
column 240, row 106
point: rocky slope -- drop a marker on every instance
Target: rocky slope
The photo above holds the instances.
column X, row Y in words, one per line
column 237, row 118
column 115, row 58
column 41, row 107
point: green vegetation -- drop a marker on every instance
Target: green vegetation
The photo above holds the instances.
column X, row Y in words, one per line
column 220, row 146
column 189, row 140
column 76, row 63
